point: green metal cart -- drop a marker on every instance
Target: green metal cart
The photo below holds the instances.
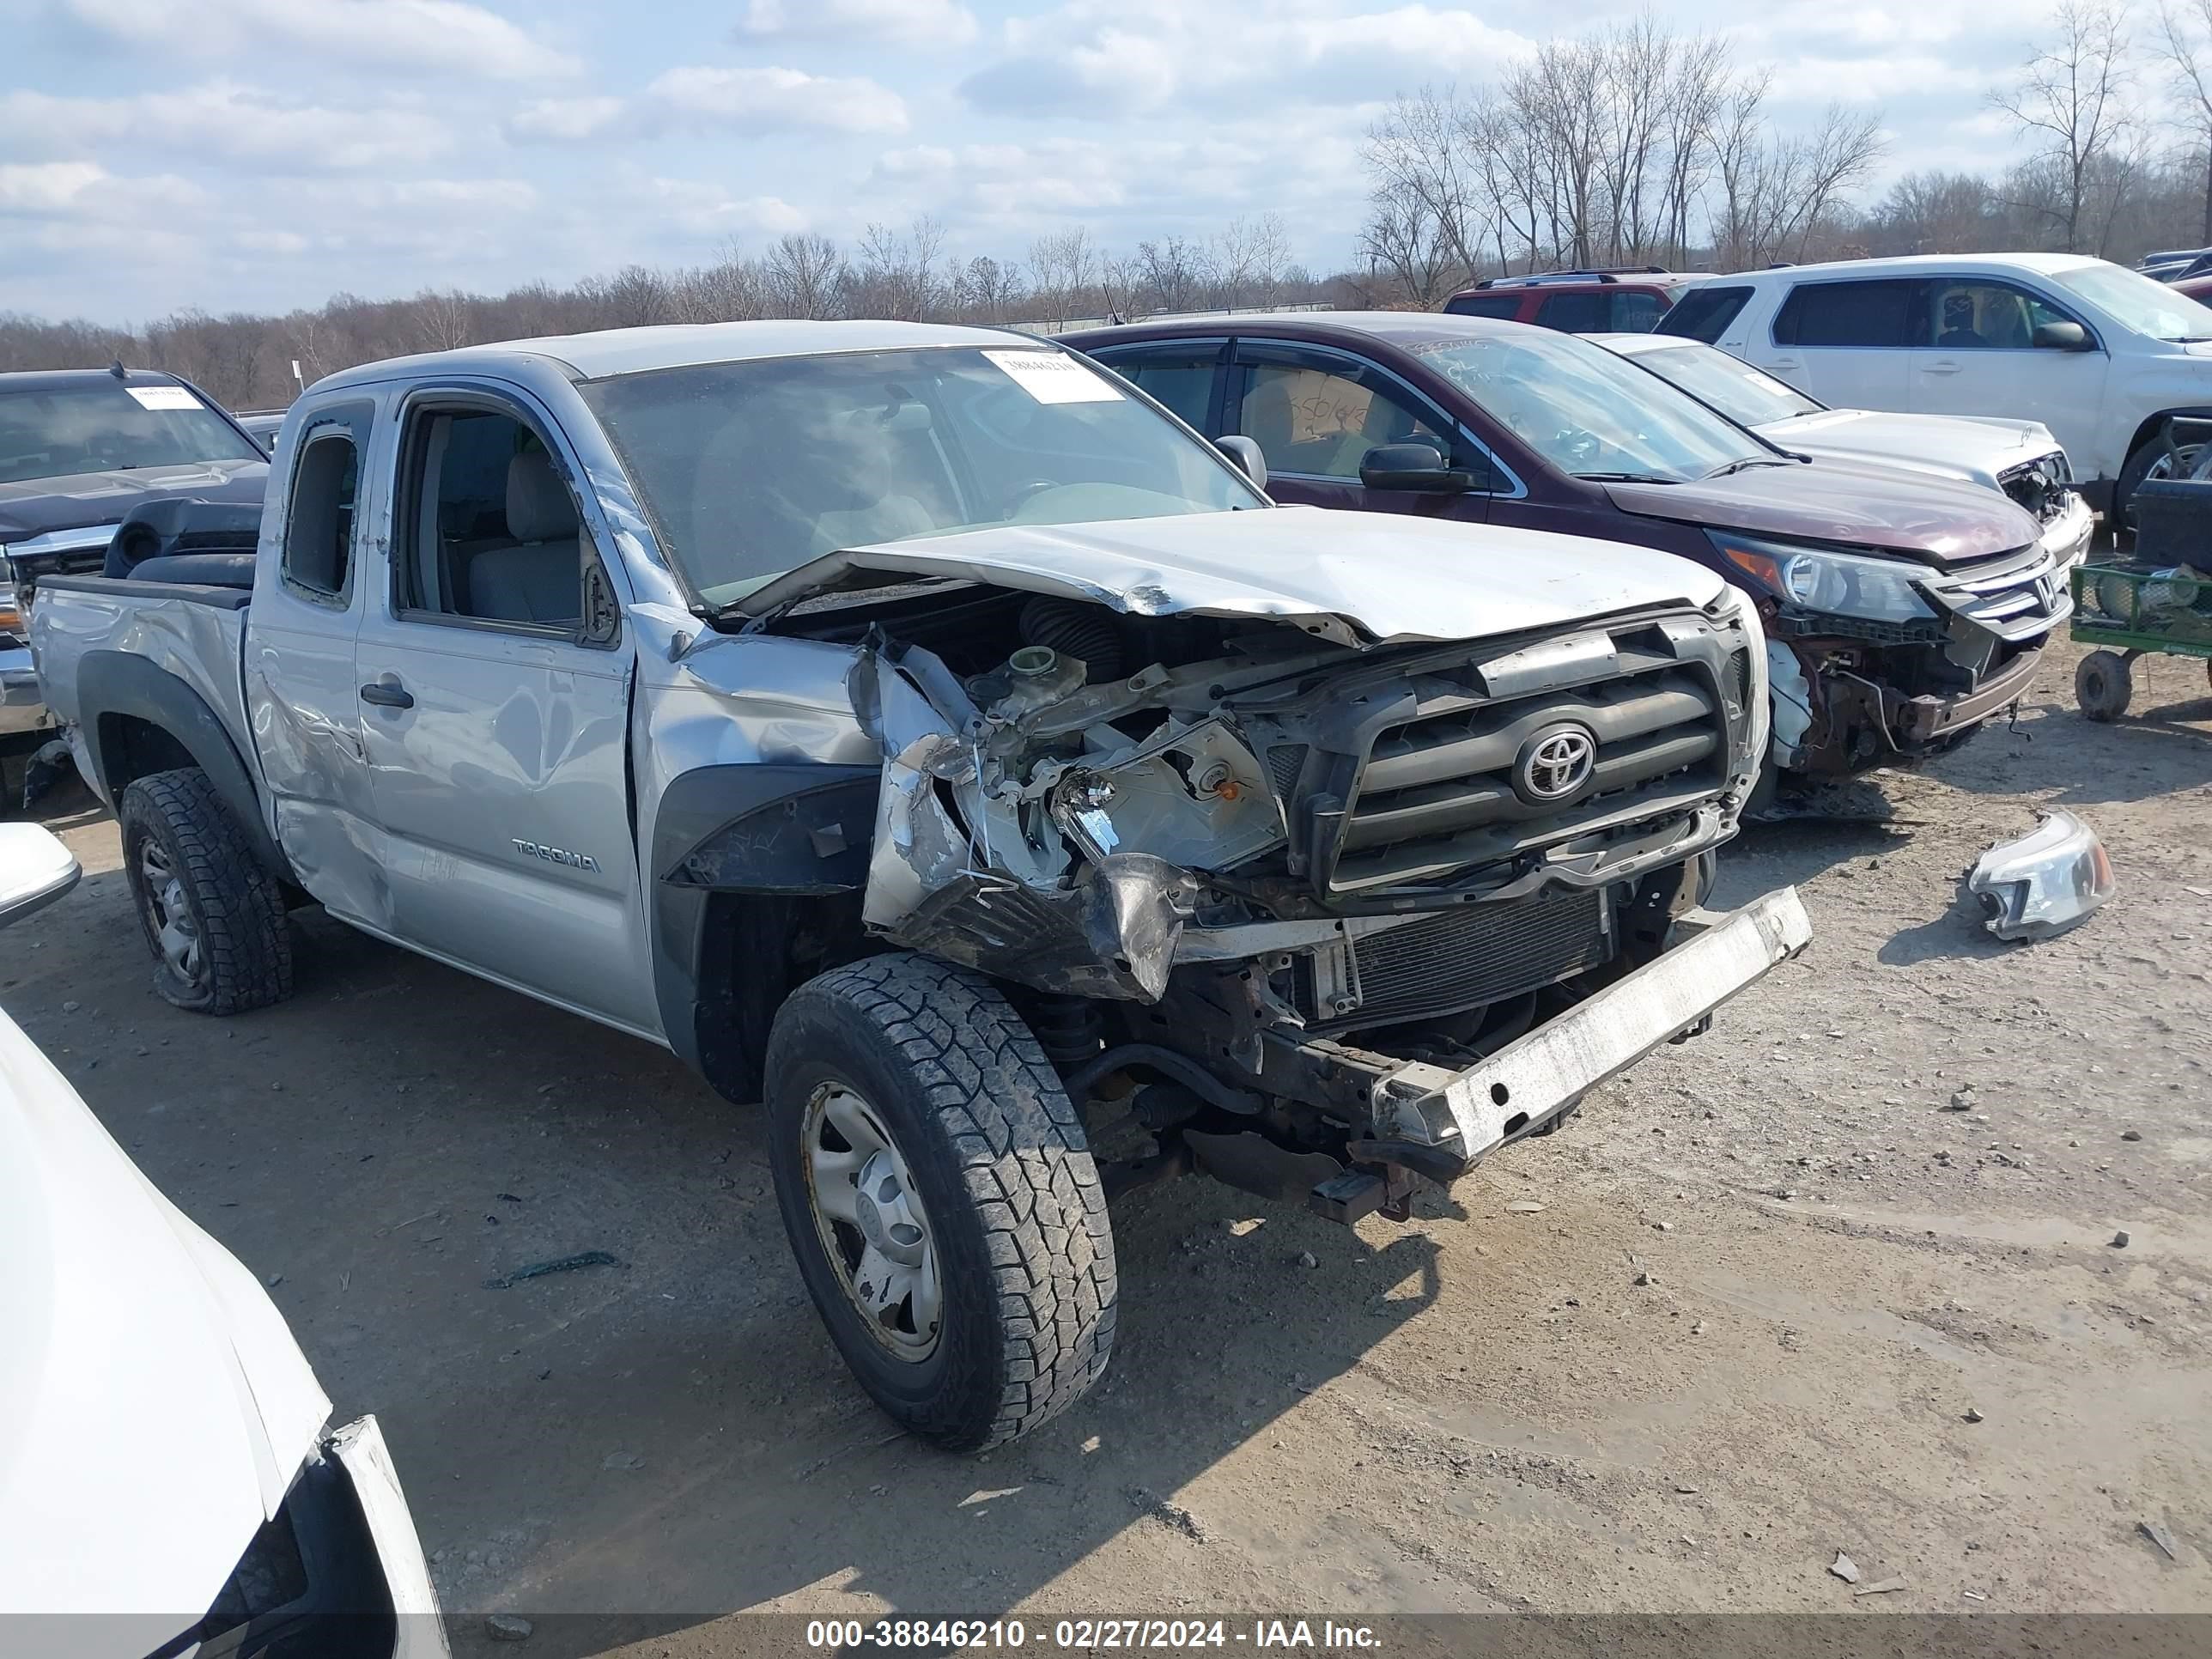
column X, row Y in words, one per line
column 2159, row 599
column 2131, row 609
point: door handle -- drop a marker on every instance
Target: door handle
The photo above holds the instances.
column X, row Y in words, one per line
column 1790, row 364
column 387, row 694
column 1946, row 367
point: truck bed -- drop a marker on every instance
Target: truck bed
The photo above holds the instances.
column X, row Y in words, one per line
column 194, row 632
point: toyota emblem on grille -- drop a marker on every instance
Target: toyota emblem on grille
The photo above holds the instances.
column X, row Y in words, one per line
column 1555, row 763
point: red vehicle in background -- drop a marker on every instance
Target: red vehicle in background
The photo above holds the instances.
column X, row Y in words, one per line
column 1620, row 300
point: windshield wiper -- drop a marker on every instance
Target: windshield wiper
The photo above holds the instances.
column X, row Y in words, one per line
column 1625, row 477
column 1745, row 465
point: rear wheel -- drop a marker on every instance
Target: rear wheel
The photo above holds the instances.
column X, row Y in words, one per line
column 212, row 915
column 2149, row 460
column 940, row 1197
column 2103, row 683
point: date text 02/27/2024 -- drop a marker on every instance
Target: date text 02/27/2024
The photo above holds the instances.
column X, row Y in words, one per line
column 1092, row 1635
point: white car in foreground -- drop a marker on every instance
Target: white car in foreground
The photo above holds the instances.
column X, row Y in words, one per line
column 169, row 1481
column 2020, row 457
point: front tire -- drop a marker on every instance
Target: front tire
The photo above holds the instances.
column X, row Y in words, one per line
column 212, row 913
column 939, row 1194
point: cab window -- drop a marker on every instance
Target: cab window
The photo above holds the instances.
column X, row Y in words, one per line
column 494, row 535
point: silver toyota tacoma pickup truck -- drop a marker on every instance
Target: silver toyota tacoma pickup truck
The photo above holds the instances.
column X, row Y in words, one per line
column 923, row 732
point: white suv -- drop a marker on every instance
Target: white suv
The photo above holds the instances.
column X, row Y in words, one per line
column 2101, row 355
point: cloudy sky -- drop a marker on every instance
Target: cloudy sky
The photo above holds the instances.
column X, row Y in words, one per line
column 262, row 154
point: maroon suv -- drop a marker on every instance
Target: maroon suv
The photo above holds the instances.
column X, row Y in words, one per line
column 1902, row 612
column 1623, row 300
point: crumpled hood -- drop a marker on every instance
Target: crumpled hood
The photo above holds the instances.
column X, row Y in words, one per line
column 1946, row 446
column 1360, row 578
column 154, row 1407
column 1942, row 520
column 37, row 506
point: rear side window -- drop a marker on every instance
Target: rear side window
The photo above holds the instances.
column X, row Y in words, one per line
column 1635, row 310
column 1703, row 314
column 1850, row 314
column 319, row 526
column 1504, row 306
column 1183, row 380
column 1586, row 312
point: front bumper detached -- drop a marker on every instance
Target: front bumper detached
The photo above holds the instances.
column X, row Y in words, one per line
column 1440, row 1123
column 2047, row 881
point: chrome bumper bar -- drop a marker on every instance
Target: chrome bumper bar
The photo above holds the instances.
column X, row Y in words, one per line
column 1466, row 1115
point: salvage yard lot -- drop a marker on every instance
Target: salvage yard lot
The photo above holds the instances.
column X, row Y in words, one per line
column 1773, row 1273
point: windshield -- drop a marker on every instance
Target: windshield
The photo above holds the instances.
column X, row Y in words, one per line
column 1744, row 394
column 2136, row 302
column 102, row 425
column 752, row 469
column 1587, row 412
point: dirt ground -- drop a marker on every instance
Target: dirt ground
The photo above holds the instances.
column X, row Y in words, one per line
column 1483, row 1410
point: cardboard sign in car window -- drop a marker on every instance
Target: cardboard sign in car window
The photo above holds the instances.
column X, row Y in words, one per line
column 163, row 396
column 1053, row 377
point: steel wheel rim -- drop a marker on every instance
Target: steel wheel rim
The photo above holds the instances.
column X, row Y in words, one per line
column 176, row 934
column 860, row 1192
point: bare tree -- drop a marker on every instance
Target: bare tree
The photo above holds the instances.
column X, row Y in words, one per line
column 1404, row 243
column 802, row 273
column 2071, row 98
column 2184, row 41
column 1418, row 157
column 1176, row 272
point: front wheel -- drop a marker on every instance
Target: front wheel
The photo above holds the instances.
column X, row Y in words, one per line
column 940, row 1197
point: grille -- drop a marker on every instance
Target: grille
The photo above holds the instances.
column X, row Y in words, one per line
column 1478, row 954
column 1437, row 793
column 2039, row 485
column 2017, row 597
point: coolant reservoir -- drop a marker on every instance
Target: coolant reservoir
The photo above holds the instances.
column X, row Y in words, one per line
column 1036, row 674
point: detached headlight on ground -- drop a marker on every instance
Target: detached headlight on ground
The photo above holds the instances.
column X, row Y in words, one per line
column 1835, row 584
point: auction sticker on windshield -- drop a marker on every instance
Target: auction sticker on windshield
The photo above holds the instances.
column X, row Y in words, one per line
column 1053, row 377
column 163, row 396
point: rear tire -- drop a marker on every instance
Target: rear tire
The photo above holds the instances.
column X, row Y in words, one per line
column 2103, row 684
column 1000, row 1314
column 212, row 913
column 2148, row 458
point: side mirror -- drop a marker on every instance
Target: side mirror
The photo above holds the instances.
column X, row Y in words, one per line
column 2063, row 337
column 35, row 870
column 1245, row 455
column 1418, row 467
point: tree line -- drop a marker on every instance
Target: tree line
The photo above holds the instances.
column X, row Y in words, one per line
column 1636, row 143
column 245, row 360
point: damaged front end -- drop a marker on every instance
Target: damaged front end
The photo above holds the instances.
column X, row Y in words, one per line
column 1347, row 913
column 1880, row 663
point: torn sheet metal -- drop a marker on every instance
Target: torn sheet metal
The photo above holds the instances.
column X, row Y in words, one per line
column 1112, row 933
column 2049, row 880
column 968, row 865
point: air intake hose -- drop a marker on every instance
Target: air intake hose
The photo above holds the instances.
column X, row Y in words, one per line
column 1082, row 631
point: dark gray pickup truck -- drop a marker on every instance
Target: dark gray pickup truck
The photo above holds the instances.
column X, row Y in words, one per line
column 922, row 731
column 79, row 450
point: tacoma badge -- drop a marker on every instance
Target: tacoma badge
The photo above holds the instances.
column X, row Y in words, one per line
column 531, row 849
